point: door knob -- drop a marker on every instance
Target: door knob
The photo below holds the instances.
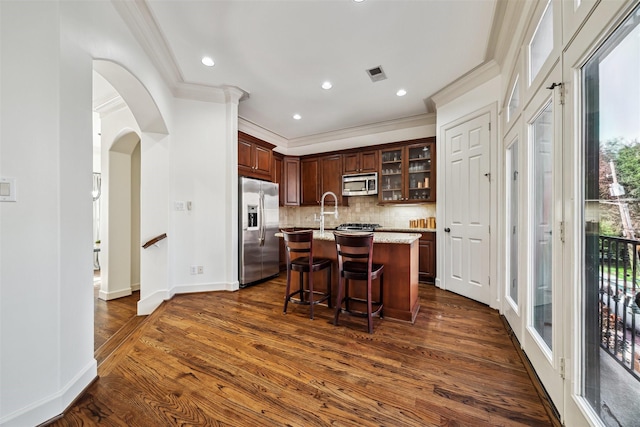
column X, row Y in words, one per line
column 447, row 230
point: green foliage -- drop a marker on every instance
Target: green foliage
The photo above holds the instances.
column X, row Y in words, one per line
column 626, row 156
column 628, row 168
column 608, row 228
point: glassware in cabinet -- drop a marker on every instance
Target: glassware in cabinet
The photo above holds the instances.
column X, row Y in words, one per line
column 419, row 172
column 390, row 184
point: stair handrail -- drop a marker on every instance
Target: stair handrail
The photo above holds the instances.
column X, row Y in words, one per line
column 155, row 240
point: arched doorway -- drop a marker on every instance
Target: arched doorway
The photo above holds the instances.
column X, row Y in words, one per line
column 127, row 115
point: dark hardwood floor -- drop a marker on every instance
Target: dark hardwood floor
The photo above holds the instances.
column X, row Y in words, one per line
column 233, row 358
column 114, row 321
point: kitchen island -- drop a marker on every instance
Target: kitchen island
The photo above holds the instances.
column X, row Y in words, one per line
column 399, row 254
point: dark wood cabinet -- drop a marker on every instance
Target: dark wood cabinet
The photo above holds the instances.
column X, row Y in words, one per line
column 427, row 269
column 360, row 162
column 291, row 181
column 331, row 173
column 286, row 172
column 319, row 175
column 408, row 173
column 255, row 157
column 310, row 181
column 276, row 176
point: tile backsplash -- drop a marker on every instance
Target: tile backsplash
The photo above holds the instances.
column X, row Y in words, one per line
column 360, row 209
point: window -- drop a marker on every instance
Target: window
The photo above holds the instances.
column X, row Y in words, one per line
column 514, row 214
column 542, row 141
column 541, row 43
column 611, row 221
column 514, row 100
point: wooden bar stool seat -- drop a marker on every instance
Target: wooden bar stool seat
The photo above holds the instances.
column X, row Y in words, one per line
column 299, row 249
column 355, row 262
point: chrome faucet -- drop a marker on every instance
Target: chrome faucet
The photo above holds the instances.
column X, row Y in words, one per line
column 323, row 213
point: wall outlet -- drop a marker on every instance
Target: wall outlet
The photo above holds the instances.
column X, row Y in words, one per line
column 200, row 269
column 193, row 269
column 180, row 205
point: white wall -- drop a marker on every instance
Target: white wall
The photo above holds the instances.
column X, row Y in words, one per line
column 46, row 312
column 46, row 293
column 120, row 137
column 198, row 164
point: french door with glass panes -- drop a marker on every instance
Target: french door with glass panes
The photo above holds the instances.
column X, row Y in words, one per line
column 512, row 308
column 543, row 303
column 610, row 228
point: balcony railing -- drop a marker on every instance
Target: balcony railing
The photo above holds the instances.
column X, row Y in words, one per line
column 619, row 313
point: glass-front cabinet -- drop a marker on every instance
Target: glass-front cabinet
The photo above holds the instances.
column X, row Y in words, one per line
column 407, row 173
column 419, row 172
column 390, row 187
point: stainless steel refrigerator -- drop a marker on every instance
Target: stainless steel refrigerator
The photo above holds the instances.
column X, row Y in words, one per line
column 258, row 246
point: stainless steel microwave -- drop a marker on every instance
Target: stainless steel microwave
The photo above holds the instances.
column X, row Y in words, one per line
column 361, row 184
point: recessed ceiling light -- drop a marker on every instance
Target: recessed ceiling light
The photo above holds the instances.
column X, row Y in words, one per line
column 208, row 61
column 297, row 116
column 358, row 1
column 401, row 92
column 327, row 85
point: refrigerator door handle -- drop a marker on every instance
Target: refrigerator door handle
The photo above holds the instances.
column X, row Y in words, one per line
column 261, row 215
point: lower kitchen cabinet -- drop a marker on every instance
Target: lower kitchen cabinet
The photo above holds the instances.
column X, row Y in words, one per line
column 427, row 269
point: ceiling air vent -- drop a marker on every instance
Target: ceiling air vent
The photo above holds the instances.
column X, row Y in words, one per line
column 376, row 74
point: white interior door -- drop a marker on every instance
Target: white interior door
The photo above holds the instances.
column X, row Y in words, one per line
column 542, row 338
column 467, row 209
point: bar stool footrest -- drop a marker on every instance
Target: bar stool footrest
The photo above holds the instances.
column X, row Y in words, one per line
column 377, row 312
column 324, row 298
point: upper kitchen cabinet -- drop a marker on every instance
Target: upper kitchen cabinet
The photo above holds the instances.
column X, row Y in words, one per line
column 276, row 176
column 286, row 172
column 408, row 172
column 255, row 157
column 290, row 181
column 360, row 162
column 331, row 175
column 310, row 181
column 319, row 175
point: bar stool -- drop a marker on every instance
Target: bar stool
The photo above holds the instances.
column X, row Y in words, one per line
column 300, row 243
column 355, row 262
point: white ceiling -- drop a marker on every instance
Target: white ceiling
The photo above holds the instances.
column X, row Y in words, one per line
column 280, row 52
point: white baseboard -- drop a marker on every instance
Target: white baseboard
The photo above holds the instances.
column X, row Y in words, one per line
column 148, row 304
column 107, row 296
column 55, row 404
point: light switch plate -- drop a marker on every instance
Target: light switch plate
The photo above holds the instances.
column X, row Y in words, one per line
column 7, row 189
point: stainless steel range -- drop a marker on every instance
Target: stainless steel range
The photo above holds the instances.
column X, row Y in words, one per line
column 357, row 226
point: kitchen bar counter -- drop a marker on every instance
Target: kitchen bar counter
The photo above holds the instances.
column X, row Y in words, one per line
column 378, row 229
column 378, row 237
column 405, row 230
column 399, row 252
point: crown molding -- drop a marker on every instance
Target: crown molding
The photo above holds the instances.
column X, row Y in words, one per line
column 144, row 27
column 365, row 130
column 493, row 42
column 258, row 131
column 512, row 29
column 354, row 135
column 474, row 78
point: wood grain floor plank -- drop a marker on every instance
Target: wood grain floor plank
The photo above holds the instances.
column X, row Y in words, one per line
column 233, row 358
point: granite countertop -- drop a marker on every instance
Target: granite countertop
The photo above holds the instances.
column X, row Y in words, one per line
column 378, row 230
column 378, row 237
column 406, row 230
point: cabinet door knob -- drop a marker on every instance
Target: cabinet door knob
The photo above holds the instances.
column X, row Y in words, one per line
column 447, row 230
